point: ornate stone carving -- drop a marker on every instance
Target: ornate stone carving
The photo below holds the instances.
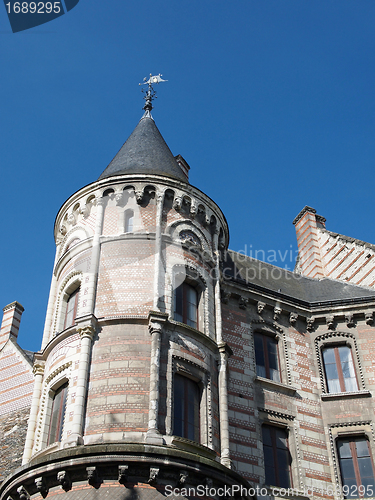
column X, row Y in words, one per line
column 260, row 307
column 86, row 331
column 119, row 198
column 38, row 368
column 225, row 296
column 63, row 230
column 123, row 474
column 177, row 203
column 349, row 319
column 139, row 195
column 242, row 303
column 23, row 494
column 310, row 323
column 369, row 316
column 276, row 312
column 193, row 208
column 183, row 477
column 293, row 318
column 64, row 480
column 99, row 201
column 41, row 486
column 154, row 474
column 330, row 321
column 72, row 219
column 93, row 476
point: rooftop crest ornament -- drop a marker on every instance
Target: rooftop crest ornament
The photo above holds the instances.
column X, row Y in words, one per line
column 150, row 93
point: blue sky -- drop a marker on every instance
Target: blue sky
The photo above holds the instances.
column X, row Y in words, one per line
column 271, row 102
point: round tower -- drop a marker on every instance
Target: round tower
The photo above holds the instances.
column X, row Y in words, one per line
column 130, row 395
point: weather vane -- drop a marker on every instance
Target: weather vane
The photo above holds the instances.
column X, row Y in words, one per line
column 150, row 93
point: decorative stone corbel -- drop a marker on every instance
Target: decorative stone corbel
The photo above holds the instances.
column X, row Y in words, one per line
column 123, row 474
column 310, row 323
column 276, row 312
column 260, row 307
column 63, row 230
column 193, row 208
column 207, row 220
column 242, row 303
column 330, row 321
column 93, row 476
column 85, row 211
column 154, row 475
column 72, row 219
column 41, row 486
column 177, row 203
column 139, row 195
column 293, row 318
column 225, row 296
column 23, row 494
column 183, row 477
column 64, row 480
column 119, row 197
column 349, row 319
column 369, row 316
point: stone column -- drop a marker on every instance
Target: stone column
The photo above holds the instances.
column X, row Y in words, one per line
column 38, row 371
column 86, row 329
column 89, row 308
column 156, row 323
column 225, row 352
column 158, row 292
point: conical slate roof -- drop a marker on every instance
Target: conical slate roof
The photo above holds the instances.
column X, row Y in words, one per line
column 145, row 152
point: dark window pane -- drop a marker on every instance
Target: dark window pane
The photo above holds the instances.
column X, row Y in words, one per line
column 270, row 476
column 276, row 456
column 57, row 415
column 186, row 408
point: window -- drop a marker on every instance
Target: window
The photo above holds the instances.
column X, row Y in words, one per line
column 129, row 220
column 186, row 401
column 277, row 458
column 356, row 467
column 339, row 369
column 57, row 414
column 186, row 305
column 266, row 357
column 71, row 309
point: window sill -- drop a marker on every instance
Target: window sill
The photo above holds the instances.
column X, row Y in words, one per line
column 345, row 395
column 275, row 385
column 193, row 447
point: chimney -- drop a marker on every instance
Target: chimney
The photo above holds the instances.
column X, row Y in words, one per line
column 11, row 322
column 310, row 260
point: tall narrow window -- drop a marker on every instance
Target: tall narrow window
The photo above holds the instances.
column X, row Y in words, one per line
column 339, row 369
column 356, row 467
column 266, row 357
column 57, row 414
column 71, row 309
column 186, row 305
column 186, row 402
column 277, row 458
column 129, row 221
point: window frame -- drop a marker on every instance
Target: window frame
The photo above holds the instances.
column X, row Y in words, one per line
column 273, row 428
column 129, row 215
column 64, row 387
column 338, row 365
column 186, row 286
column 188, row 384
column 76, row 294
column 352, row 439
column 265, row 336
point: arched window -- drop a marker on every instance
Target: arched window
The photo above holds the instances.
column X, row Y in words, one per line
column 57, row 414
column 129, row 221
column 186, row 403
column 71, row 309
column 186, row 300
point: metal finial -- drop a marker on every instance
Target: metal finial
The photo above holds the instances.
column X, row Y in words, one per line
column 150, row 93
